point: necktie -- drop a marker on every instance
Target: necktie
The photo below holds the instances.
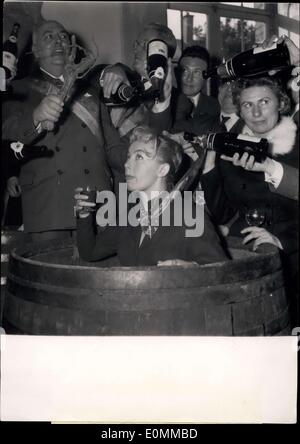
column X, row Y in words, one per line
column 224, row 119
column 145, row 222
column 55, row 86
column 193, row 107
column 149, row 218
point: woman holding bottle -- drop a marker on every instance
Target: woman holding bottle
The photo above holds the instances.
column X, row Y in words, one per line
column 241, row 198
column 230, row 189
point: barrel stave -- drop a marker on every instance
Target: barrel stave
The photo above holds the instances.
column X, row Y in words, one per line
column 240, row 297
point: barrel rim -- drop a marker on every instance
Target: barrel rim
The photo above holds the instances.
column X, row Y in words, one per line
column 16, row 254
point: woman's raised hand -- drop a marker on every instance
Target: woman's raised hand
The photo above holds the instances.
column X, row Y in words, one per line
column 80, row 204
column 292, row 48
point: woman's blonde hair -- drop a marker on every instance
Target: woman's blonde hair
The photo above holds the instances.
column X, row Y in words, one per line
column 164, row 149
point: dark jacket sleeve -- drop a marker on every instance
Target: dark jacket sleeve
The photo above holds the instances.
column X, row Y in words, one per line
column 289, row 184
column 206, row 248
column 204, row 118
column 11, row 166
column 161, row 121
column 116, row 147
column 219, row 205
column 93, row 246
column 164, row 120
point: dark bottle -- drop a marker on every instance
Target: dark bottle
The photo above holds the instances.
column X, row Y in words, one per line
column 157, row 64
column 229, row 144
column 22, row 153
column 253, row 62
column 10, row 51
column 123, row 95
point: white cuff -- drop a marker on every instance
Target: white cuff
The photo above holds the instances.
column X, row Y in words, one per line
column 159, row 107
column 276, row 177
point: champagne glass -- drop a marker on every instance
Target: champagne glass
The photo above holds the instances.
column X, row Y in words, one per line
column 255, row 217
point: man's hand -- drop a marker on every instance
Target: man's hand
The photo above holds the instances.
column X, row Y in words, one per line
column 261, row 235
column 113, row 76
column 48, row 111
column 186, row 146
column 80, row 204
column 13, row 187
column 248, row 163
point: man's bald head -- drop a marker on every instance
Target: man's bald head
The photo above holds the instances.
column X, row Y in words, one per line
column 51, row 46
column 39, row 27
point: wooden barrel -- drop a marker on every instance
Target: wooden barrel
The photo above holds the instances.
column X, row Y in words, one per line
column 49, row 292
column 10, row 239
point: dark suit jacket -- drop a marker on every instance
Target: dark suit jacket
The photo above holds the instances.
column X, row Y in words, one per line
column 48, row 183
column 169, row 242
column 207, row 110
column 216, row 126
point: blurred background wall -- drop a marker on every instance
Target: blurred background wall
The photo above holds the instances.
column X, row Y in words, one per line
column 225, row 28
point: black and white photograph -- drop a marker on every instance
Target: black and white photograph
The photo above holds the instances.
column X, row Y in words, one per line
column 149, row 213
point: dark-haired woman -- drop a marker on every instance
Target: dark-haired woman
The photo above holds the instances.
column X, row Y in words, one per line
column 232, row 192
column 150, row 169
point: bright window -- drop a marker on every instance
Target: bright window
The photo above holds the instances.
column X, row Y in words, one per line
column 292, row 35
column 290, row 10
column 239, row 35
column 246, row 5
column 189, row 28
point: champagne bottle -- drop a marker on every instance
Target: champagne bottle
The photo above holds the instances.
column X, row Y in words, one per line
column 229, row 144
column 10, row 52
column 252, row 62
column 18, row 152
column 123, row 95
column 157, row 64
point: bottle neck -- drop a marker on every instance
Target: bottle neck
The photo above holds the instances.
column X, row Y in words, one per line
column 219, row 71
column 15, row 31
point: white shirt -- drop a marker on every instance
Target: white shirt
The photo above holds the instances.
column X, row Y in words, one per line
column 195, row 99
column 233, row 118
column 51, row 75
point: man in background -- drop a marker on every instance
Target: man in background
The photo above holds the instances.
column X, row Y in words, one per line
column 194, row 109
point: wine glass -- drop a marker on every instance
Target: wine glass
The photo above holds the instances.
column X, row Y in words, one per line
column 91, row 193
column 255, row 217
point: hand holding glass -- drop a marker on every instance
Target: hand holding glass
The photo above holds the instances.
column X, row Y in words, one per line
column 85, row 200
